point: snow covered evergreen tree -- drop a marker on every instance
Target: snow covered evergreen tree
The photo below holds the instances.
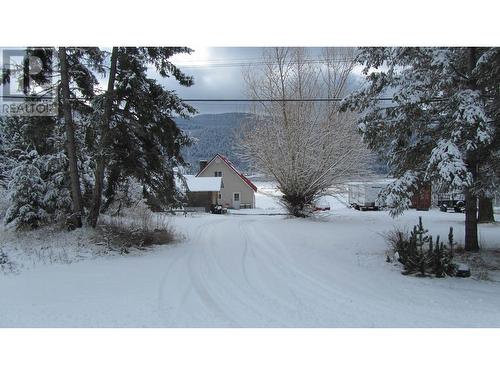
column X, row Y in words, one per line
column 136, row 136
column 71, row 73
column 488, row 72
column 27, row 190
column 440, row 123
column 35, row 168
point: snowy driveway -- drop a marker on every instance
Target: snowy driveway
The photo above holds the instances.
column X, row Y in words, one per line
column 255, row 271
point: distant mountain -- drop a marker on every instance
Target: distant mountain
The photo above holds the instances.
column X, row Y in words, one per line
column 216, row 133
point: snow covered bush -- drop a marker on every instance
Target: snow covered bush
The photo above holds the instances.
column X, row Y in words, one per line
column 397, row 239
column 137, row 229
column 4, row 202
column 6, row 264
column 419, row 253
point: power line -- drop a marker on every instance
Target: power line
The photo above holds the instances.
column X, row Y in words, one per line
column 242, row 63
column 31, row 96
column 283, row 100
column 266, row 100
column 250, row 64
column 205, row 100
column 227, row 100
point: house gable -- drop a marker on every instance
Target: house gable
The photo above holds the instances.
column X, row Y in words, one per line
column 229, row 166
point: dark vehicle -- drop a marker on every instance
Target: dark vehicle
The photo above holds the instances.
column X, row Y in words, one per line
column 454, row 202
column 218, row 209
column 321, row 204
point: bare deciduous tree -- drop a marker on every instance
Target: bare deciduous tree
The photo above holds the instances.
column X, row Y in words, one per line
column 307, row 146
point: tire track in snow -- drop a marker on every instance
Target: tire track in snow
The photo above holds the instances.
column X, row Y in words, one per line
column 284, row 307
column 201, row 282
column 170, row 302
column 287, row 301
column 245, row 252
column 244, row 275
column 291, row 304
column 234, row 300
column 167, row 310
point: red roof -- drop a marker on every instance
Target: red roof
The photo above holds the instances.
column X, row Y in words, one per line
column 230, row 165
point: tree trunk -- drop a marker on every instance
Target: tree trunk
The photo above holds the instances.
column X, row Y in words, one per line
column 104, row 142
column 485, row 214
column 471, row 242
column 76, row 193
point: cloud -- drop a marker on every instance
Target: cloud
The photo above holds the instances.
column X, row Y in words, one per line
column 217, row 73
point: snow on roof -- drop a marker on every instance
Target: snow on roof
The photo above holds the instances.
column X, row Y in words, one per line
column 230, row 165
column 203, row 183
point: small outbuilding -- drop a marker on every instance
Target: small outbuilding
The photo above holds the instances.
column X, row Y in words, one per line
column 421, row 199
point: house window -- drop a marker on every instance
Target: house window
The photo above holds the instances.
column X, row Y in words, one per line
column 236, row 197
column 220, row 196
column 219, row 174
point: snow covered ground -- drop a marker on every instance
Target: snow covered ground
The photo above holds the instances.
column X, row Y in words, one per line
column 256, row 270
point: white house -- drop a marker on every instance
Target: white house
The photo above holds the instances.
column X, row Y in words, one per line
column 236, row 190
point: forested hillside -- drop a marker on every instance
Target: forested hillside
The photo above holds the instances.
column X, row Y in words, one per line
column 216, row 133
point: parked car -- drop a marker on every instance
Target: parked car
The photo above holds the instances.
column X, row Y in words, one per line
column 218, row 209
column 322, row 204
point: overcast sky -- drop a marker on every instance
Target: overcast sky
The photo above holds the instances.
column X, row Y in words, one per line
column 217, row 73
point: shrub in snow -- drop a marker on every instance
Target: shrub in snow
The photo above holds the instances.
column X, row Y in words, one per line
column 4, row 202
column 6, row 265
column 420, row 254
column 397, row 239
column 120, row 233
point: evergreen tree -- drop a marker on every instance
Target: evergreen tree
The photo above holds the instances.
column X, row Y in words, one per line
column 72, row 68
column 137, row 136
column 76, row 193
column 488, row 77
column 26, row 192
column 33, row 159
column 57, row 141
column 439, row 124
column 420, row 254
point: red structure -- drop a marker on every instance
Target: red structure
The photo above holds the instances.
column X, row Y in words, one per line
column 421, row 200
